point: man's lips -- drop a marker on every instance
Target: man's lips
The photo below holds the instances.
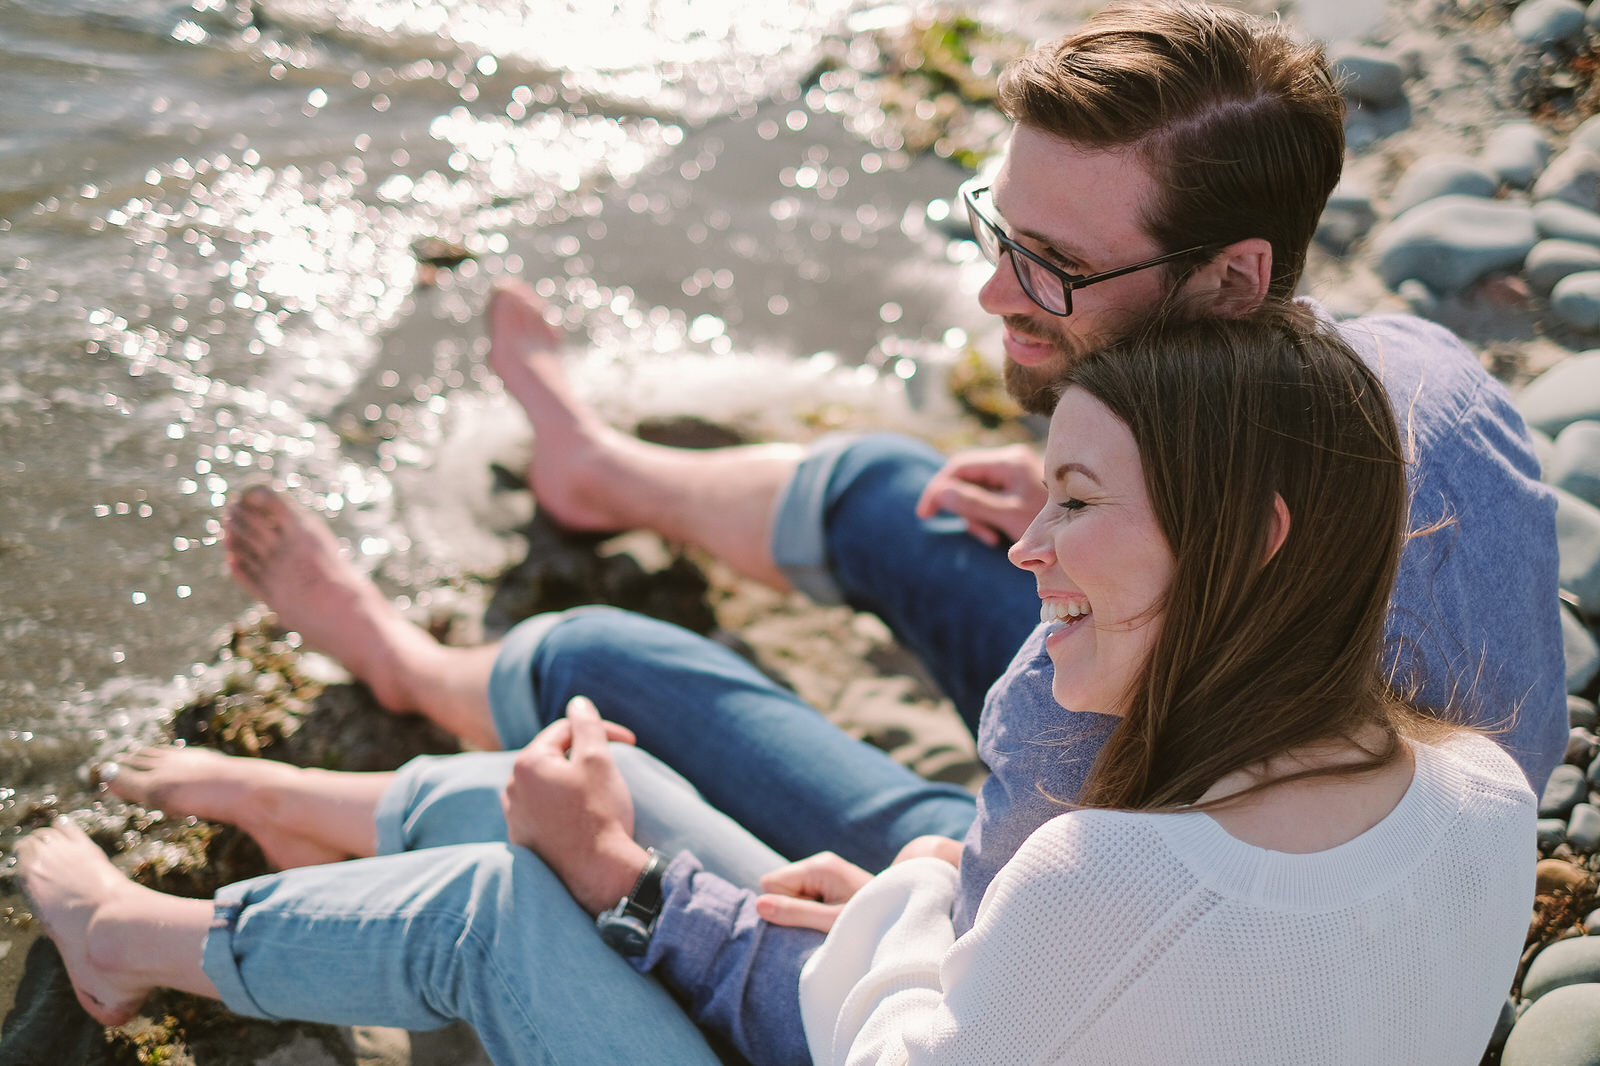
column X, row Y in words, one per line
column 1026, row 348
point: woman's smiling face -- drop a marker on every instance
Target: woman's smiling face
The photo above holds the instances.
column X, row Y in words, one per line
column 1098, row 555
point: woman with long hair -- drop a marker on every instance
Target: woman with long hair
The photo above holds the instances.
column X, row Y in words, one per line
column 1254, row 869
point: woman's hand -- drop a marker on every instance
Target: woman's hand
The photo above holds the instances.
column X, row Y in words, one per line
column 810, row 893
column 567, row 802
column 931, row 847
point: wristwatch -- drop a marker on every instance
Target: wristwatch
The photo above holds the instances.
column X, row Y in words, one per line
column 627, row 926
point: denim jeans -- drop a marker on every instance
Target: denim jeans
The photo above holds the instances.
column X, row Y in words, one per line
column 450, row 921
column 752, row 748
column 847, row 532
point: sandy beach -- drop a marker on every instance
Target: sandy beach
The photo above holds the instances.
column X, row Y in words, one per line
column 898, row 343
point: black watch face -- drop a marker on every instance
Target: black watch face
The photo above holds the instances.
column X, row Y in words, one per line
column 626, row 936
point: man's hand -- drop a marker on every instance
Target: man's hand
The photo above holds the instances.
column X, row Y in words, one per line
column 810, row 893
column 997, row 490
column 931, row 847
column 567, row 802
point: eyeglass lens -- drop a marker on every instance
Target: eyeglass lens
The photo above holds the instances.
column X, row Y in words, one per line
column 1036, row 281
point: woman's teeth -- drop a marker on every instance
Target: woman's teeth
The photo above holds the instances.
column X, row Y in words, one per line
column 1057, row 611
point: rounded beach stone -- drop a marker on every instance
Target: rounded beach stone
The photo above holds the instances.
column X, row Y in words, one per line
column 1582, row 713
column 1367, row 75
column 1543, row 447
column 1578, row 544
column 1561, row 1029
column 1592, row 15
column 1591, row 922
column 1580, row 746
column 1574, row 462
column 1587, row 134
column 1542, row 23
column 1575, row 300
column 1555, row 258
column 1516, row 153
column 1583, row 833
column 1566, row 393
column 1575, row 961
column 1451, row 242
column 1564, row 791
column 1347, row 216
column 1557, row 218
column 1552, row 831
column 1418, row 297
column 1582, row 653
column 1573, row 177
column 1441, row 174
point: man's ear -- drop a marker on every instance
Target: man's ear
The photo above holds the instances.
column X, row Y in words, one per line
column 1278, row 530
column 1236, row 280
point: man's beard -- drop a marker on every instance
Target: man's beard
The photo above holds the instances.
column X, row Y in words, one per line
column 1036, row 388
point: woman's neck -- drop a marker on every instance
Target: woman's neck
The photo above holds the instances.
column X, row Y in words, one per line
column 1318, row 812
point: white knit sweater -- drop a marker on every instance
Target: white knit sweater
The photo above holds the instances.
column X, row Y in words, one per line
column 1147, row 939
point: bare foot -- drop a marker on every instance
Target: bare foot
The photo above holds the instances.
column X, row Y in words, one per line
column 71, row 887
column 290, row 560
column 248, row 793
column 575, row 453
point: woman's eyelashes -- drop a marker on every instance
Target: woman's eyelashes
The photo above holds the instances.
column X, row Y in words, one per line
column 1072, row 505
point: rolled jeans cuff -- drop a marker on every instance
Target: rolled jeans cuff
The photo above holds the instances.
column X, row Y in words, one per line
column 799, row 533
column 216, row 955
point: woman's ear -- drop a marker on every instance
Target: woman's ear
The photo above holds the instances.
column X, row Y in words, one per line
column 1278, row 530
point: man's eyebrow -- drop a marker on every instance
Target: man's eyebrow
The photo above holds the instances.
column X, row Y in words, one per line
column 1052, row 245
column 1064, row 469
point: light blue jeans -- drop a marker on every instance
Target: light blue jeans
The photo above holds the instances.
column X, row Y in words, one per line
column 451, row 922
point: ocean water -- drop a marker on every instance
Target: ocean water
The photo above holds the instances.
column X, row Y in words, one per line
column 209, row 216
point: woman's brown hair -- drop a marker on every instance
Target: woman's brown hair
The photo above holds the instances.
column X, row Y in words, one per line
column 1256, row 655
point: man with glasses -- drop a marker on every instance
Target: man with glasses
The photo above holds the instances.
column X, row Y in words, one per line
column 1166, row 152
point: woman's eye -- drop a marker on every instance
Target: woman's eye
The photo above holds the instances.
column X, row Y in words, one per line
column 1072, row 505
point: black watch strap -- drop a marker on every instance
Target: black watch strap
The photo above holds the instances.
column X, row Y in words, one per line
column 644, row 902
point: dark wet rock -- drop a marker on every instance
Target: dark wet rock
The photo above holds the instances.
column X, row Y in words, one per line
column 1583, row 828
column 1543, row 23
column 1561, row 1029
column 1453, row 241
column 1554, row 259
column 1516, row 153
column 1347, row 218
column 46, row 1024
column 1566, row 962
column 1574, row 463
column 1575, row 301
column 1582, row 713
column 1368, row 76
column 1578, row 542
column 1572, row 177
column 1559, row 219
column 1443, row 174
column 1503, row 1024
column 1566, row 393
column 1566, row 788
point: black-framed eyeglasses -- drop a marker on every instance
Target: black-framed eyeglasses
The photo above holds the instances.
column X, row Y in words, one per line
column 1045, row 283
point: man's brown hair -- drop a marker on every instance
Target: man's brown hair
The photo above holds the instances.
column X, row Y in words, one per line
column 1238, row 121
